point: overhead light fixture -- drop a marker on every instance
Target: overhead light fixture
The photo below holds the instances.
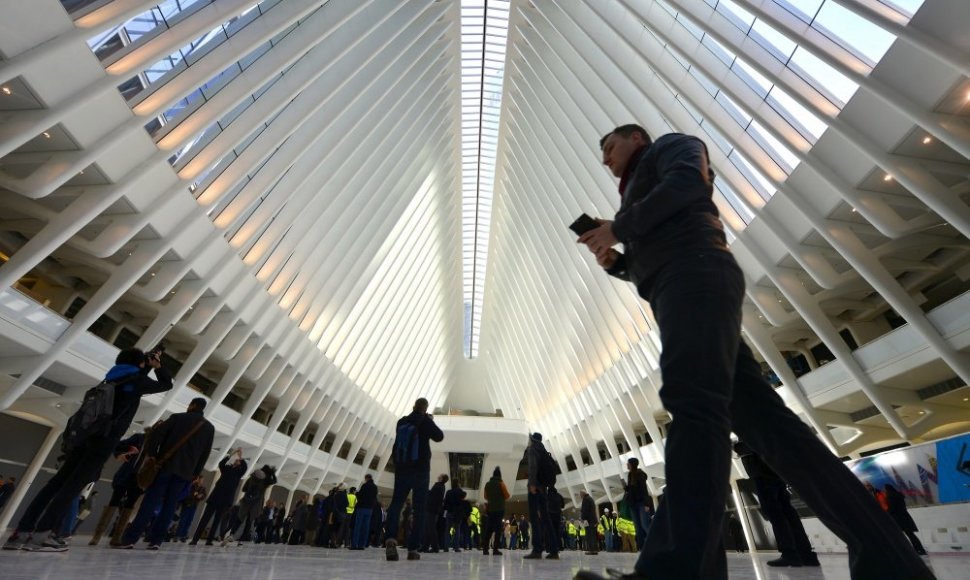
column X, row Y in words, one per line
column 853, row 210
column 7, row 91
column 887, row 177
column 46, row 134
column 927, row 140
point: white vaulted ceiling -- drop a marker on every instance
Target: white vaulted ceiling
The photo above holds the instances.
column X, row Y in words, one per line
column 330, row 208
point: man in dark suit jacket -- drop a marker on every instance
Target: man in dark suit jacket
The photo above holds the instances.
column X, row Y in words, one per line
column 186, row 438
column 588, row 512
column 677, row 256
column 231, row 470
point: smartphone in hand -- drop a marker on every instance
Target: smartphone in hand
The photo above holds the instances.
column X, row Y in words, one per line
column 583, row 224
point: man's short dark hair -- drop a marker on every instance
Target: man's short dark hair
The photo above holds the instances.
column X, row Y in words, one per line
column 198, row 402
column 626, row 131
column 633, row 461
column 130, row 356
column 421, row 403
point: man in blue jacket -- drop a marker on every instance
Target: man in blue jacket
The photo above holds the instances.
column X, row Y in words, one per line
column 83, row 463
column 412, row 473
column 676, row 254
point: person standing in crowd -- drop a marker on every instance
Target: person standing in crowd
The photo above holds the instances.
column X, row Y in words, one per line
column 278, row 521
column 264, row 523
column 124, row 489
column 896, row 506
column 435, row 526
column 231, row 470
column 587, row 510
column 313, row 521
column 299, row 523
column 542, row 528
column 250, row 506
column 181, row 444
column 556, row 503
column 676, row 255
column 347, row 530
column 412, row 462
column 796, row 550
column 338, row 521
column 6, row 490
column 496, row 494
column 366, row 500
column 37, row 529
column 452, row 507
column 189, row 505
column 638, row 499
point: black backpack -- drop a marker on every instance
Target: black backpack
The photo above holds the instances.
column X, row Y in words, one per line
column 406, row 444
column 95, row 417
column 548, row 469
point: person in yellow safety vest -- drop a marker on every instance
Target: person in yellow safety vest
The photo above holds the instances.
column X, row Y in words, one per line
column 573, row 531
column 347, row 527
column 582, row 534
column 628, row 534
column 474, row 525
column 351, row 501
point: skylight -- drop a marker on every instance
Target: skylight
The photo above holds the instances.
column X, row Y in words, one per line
column 484, row 34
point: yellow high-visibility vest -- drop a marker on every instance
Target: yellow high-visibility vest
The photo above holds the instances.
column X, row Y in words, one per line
column 351, row 503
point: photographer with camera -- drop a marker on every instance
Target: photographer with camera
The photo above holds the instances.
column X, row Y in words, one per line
column 86, row 451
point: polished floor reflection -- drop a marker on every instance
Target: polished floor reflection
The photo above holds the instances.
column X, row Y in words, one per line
column 284, row 563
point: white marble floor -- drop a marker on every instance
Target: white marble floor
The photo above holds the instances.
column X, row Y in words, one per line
column 249, row 562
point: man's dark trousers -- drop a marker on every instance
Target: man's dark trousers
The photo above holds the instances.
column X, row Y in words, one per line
column 207, row 514
column 712, row 385
column 540, row 524
column 161, row 497
column 80, row 467
column 793, row 542
column 414, row 481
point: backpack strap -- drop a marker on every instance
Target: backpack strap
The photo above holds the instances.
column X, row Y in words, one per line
column 181, row 442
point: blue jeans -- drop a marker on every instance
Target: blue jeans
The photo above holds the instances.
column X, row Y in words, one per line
column 362, row 528
column 454, row 526
column 185, row 520
column 162, row 497
column 67, row 527
column 641, row 522
column 409, row 481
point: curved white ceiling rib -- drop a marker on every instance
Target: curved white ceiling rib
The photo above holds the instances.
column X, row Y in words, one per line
column 296, row 195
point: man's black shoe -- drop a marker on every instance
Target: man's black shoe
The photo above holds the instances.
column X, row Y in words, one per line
column 784, row 562
column 533, row 556
column 811, row 561
column 611, row 574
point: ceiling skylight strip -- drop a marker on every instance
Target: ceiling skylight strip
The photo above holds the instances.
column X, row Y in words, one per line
column 484, row 35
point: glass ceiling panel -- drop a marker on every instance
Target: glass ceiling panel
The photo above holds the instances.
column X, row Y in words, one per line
column 484, row 30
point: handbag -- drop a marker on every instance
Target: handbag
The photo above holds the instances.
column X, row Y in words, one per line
column 152, row 466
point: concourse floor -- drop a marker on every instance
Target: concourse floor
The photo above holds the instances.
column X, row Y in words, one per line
column 257, row 562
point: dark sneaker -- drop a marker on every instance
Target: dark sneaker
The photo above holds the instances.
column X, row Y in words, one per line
column 153, row 547
column 591, row 553
column 123, row 546
column 533, row 556
column 552, row 556
column 611, row 575
column 413, row 555
column 811, row 561
column 48, row 544
column 15, row 542
column 496, row 553
column 390, row 550
column 784, row 562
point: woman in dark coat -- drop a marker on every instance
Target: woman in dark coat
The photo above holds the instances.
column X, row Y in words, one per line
column 298, row 535
column 897, row 509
